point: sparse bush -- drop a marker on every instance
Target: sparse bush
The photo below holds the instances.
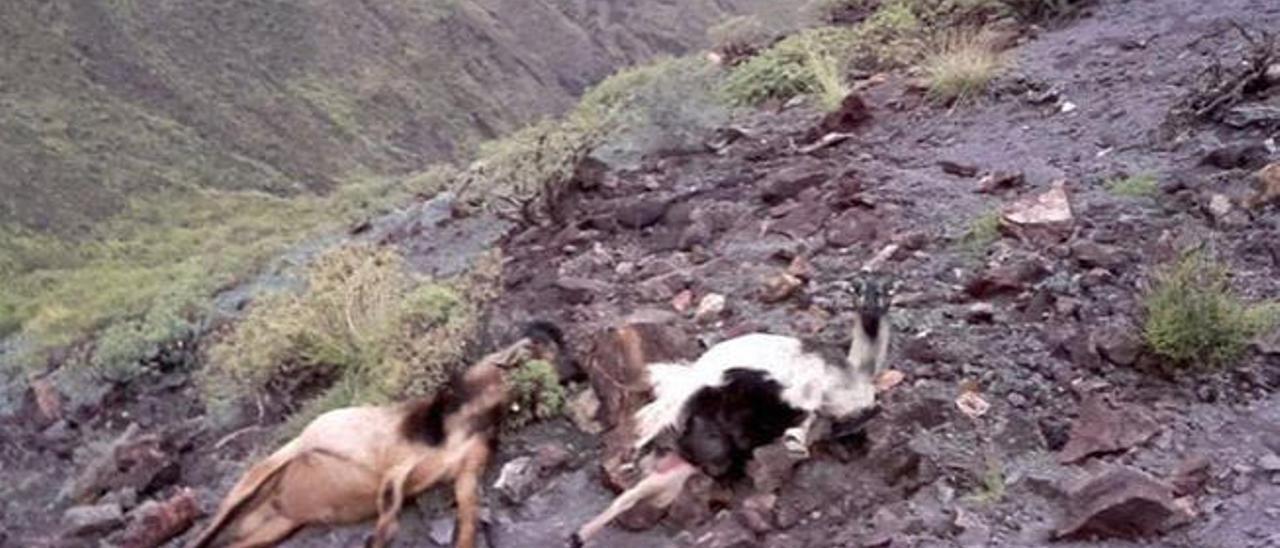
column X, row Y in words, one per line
column 829, row 84
column 363, row 321
column 669, row 105
column 739, row 36
column 529, row 170
column 837, row 12
column 1142, row 185
column 538, row 394
column 787, row 69
column 1194, row 318
column 961, row 66
column 992, row 486
column 982, row 232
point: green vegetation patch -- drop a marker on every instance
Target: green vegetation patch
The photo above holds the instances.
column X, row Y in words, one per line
column 1194, row 319
column 364, row 324
column 538, row 394
column 147, row 276
column 1142, row 185
column 983, row 231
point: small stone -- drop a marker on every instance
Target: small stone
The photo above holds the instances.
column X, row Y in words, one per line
column 1190, row 475
column 1269, row 462
column 1119, row 344
column 1268, row 187
column 780, row 288
column 583, row 408
column 442, row 531
column 683, row 301
column 517, row 480
column 800, row 267
column 1045, row 218
column 710, row 308
column 999, row 181
column 852, row 113
column 1067, row 107
column 789, row 182
column 1092, row 254
column 1235, row 156
column 888, row 379
column 958, row 169
column 972, row 404
column 1119, row 502
column 92, row 520
column 1100, row 429
column 641, row 214
column 980, row 313
column 580, row 290
column 155, row 523
column 551, row 457
column 882, row 258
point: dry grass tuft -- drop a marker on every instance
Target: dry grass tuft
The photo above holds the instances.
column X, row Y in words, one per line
column 961, row 65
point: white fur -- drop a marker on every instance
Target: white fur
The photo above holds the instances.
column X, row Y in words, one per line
column 809, row 383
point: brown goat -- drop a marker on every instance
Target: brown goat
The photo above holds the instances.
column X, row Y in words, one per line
column 351, row 464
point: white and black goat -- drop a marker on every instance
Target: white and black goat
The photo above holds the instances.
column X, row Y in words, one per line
column 747, row 392
column 354, row 463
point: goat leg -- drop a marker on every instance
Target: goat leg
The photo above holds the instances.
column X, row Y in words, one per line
column 466, row 491
column 662, row 485
column 796, row 438
column 390, row 500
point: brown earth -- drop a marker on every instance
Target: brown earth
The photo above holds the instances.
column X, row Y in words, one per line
column 1049, row 341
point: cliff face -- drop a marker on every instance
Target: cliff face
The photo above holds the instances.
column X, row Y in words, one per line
column 102, row 101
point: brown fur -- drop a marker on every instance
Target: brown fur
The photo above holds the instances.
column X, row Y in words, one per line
column 355, row 463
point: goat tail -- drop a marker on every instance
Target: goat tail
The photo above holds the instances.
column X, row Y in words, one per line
column 673, row 384
column 245, row 490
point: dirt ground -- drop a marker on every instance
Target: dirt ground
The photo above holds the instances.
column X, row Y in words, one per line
column 1084, row 103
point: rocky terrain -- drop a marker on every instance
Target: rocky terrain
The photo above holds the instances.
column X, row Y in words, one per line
column 1029, row 412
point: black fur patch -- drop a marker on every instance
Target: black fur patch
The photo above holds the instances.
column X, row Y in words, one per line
column 832, row 354
column 545, row 333
column 425, row 422
column 724, row 424
column 870, row 322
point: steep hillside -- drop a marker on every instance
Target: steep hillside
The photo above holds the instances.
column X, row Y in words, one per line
column 106, row 101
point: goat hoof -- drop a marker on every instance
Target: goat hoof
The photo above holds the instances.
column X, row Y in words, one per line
column 575, row 541
column 796, row 449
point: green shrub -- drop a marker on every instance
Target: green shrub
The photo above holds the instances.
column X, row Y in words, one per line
column 739, row 36
column 1194, row 319
column 992, row 485
column 363, row 321
column 537, row 393
column 669, row 105
column 829, row 84
column 961, row 66
column 787, row 69
column 529, row 170
column 982, row 232
column 1142, row 185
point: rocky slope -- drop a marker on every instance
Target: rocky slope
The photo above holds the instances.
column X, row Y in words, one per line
column 1067, row 431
